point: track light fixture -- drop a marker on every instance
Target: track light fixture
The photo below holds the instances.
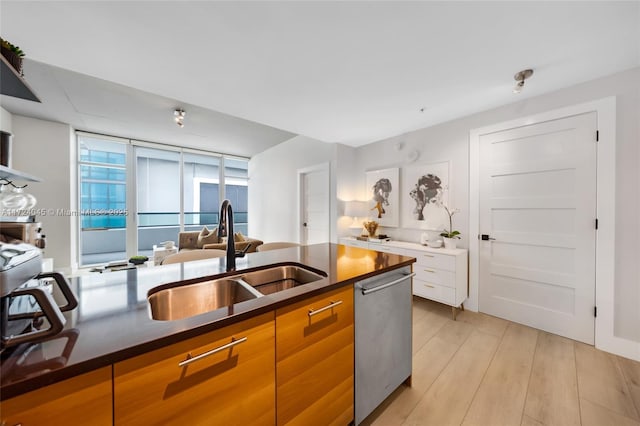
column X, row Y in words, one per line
column 520, row 77
column 178, row 116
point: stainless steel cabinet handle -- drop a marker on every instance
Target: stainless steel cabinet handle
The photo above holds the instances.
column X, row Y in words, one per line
column 332, row 305
column 430, row 270
column 430, row 286
column 190, row 359
column 380, row 287
column 429, row 255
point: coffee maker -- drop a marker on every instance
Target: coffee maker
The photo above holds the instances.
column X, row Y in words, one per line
column 27, row 308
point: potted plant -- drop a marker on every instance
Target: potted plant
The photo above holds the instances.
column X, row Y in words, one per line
column 138, row 260
column 450, row 236
column 13, row 54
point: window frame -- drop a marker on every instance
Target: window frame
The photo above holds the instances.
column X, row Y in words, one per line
column 131, row 226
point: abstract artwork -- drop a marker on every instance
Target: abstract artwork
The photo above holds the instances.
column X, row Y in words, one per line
column 425, row 189
column 383, row 191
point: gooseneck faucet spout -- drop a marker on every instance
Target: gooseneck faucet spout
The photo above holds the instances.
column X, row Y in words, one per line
column 225, row 229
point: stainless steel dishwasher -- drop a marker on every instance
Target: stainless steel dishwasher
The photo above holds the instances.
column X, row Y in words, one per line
column 383, row 338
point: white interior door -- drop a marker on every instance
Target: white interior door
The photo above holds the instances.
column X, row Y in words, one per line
column 538, row 204
column 315, row 206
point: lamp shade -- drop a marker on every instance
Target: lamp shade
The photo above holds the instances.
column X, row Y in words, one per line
column 355, row 208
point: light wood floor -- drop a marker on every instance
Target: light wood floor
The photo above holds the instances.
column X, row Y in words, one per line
column 482, row 370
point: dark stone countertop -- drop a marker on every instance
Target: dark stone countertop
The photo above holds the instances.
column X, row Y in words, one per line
column 112, row 322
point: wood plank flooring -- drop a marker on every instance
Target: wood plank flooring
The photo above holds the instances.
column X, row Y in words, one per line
column 482, row 370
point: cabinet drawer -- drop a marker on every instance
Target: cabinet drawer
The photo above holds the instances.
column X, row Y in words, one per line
column 81, row 400
column 434, row 260
column 434, row 292
column 354, row 243
column 384, row 248
column 233, row 386
column 435, row 276
column 315, row 360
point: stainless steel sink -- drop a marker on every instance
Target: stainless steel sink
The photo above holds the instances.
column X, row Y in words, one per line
column 274, row 279
column 193, row 299
column 185, row 301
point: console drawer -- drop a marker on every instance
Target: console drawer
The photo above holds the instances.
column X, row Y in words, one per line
column 435, row 276
column 434, row 292
column 433, row 260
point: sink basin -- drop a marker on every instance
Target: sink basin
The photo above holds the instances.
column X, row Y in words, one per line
column 185, row 301
column 278, row 278
column 193, row 299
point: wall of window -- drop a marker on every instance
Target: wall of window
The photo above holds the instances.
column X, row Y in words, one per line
column 236, row 183
column 167, row 189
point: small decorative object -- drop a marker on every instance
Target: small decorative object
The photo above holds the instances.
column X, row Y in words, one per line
column 434, row 243
column 138, row 260
column 450, row 236
column 371, row 227
column 13, row 54
column 424, row 238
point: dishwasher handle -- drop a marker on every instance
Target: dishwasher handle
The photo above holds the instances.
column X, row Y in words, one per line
column 383, row 286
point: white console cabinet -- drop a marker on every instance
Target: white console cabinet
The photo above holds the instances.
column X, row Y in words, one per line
column 441, row 274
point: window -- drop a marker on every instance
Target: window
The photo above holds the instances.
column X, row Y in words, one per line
column 201, row 190
column 103, row 199
column 157, row 197
column 236, row 184
column 164, row 200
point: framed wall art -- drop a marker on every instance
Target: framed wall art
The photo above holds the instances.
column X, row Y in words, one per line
column 425, row 189
column 383, row 190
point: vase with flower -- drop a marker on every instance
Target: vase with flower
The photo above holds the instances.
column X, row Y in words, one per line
column 450, row 236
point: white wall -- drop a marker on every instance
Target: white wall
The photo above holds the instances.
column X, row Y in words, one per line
column 450, row 142
column 273, row 196
column 6, row 120
column 46, row 149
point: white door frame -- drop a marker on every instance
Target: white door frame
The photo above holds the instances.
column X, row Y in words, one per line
column 301, row 173
column 605, row 210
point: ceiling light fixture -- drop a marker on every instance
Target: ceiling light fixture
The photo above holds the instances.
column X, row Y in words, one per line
column 178, row 116
column 520, row 78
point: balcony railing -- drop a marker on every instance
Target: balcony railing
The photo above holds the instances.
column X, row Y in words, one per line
column 108, row 243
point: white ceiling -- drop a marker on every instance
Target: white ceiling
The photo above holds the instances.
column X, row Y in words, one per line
column 349, row 72
column 92, row 104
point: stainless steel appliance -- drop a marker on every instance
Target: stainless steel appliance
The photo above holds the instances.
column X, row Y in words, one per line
column 28, row 231
column 28, row 310
column 382, row 337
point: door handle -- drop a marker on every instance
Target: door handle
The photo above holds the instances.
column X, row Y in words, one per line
column 485, row 237
column 326, row 308
column 191, row 359
column 383, row 286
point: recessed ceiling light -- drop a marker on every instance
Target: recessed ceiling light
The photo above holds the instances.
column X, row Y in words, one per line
column 520, row 77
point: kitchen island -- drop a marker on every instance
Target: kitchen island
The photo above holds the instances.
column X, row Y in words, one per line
column 112, row 324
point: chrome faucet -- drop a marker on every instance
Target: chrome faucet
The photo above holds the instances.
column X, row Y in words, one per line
column 225, row 229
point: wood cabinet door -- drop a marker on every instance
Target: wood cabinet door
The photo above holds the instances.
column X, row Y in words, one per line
column 233, row 386
column 314, row 347
column 81, row 400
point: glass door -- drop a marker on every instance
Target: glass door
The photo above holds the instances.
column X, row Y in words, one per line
column 157, row 196
column 201, row 177
column 236, row 185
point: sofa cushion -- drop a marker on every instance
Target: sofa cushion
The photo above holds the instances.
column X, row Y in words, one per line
column 207, row 237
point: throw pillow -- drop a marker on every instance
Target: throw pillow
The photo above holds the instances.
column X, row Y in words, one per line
column 238, row 237
column 207, row 237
